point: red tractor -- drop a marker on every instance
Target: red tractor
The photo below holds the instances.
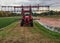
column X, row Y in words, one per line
column 27, row 17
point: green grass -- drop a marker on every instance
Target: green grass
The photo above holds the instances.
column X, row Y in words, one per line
column 47, row 32
column 4, row 32
column 5, row 21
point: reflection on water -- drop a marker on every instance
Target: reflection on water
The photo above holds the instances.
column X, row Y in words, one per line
column 55, row 29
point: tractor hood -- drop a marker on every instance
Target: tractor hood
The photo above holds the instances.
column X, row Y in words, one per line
column 26, row 16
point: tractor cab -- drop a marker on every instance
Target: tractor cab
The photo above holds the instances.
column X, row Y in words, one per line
column 27, row 14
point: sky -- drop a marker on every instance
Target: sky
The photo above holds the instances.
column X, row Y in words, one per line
column 54, row 4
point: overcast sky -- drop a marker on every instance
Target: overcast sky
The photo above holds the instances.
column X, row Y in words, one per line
column 52, row 3
column 19, row 2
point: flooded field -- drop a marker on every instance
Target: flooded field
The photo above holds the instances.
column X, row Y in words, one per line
column 51, row 23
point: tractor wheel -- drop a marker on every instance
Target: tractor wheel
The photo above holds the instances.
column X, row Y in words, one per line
column 22, row 23
column 31, row 23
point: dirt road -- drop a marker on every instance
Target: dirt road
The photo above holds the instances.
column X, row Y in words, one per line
column 25, row 34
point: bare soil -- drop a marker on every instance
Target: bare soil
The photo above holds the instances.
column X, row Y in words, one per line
column 25, row 34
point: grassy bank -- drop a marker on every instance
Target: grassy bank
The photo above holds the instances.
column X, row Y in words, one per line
column 47, row 32
column 5, row 32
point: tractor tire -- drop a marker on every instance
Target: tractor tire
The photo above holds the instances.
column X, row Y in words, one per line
column 22, row 22
column 31, row 23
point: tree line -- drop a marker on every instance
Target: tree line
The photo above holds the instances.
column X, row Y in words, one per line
column 8, row 14
column 49, row 13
